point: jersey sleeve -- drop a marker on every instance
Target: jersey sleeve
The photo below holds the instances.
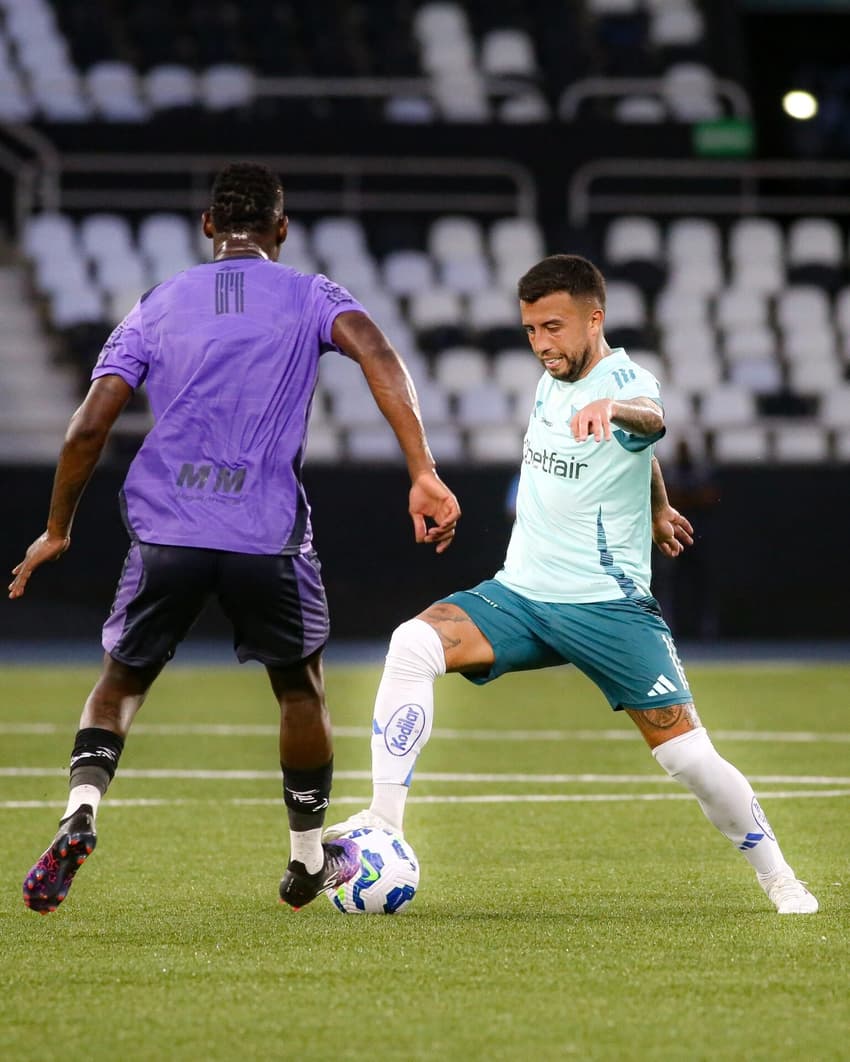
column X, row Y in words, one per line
column 634, row 382
column 124, row 352
column 330, row 300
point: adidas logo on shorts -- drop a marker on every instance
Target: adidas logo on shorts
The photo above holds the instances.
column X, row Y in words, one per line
column 662, row 686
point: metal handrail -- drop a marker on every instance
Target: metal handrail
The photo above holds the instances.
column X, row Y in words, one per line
column 582, row 201
column 382, row 87
column 351, row 169
column 588, row 88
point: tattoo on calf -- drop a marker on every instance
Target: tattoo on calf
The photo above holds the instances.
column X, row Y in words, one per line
column 664, row 718
column 667, row 718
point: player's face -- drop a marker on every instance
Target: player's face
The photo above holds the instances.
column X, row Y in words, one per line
column 563, row 333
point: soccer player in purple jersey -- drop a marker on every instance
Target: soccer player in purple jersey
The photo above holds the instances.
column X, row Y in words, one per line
column 214, row 504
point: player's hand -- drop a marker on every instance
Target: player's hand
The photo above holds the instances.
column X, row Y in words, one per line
column 46, row 547
column 431, row 499
column 594, row 419
column 671, row 532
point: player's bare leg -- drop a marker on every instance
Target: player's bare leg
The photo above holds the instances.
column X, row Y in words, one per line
column 306, row 761
column 443, row 638
column 106, row 718
column 682, row 747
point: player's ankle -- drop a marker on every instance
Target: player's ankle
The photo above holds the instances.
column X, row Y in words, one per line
column 305, row 847
column 388, row 802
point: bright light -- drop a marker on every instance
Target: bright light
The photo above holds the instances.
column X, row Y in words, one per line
column 800, row 104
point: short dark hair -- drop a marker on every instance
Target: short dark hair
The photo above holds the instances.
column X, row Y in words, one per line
column 246, row 195
column 562, row 272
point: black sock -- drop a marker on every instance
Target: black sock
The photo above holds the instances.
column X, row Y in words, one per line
column 95, row 757
column 306, row 794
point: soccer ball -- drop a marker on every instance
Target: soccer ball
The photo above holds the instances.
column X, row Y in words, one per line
column 389, row 875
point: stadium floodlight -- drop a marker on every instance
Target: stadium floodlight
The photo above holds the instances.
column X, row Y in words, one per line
column 800, row 104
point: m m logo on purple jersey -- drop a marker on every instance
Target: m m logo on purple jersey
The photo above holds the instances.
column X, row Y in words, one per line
column 227, row 481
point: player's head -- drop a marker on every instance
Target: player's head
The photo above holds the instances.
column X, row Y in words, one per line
column 246, row 202
column 562, row 300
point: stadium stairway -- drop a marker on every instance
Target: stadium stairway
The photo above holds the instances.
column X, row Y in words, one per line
column 36, row 397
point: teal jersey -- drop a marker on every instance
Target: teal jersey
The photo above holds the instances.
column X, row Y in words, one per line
column 583, row 527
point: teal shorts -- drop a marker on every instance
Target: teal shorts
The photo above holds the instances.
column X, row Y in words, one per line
column 625, row 647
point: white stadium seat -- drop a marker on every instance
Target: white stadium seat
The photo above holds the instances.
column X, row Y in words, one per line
column 727, row 406
column 106, row 236
column 407, row 272
column 496, row 444
column 226, row 85
column 815, row 241
column 323, row 445
column 802, row 306
column 760, row 375
column 485, row 403
column 738, row 309
column 115, row 88
column 171, row 85
column 834, row 408
column 749, row 341
column 629, row 239
column 517, row 243
column 508, row 52
column 455, row 238
column 741, row 446
column 756, row 239
column 374, row 444
column 459, row 368
column 800, row 443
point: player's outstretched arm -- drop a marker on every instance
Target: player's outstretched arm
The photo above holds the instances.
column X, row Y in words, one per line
column 87, row 433
column 671, row 532
column 359, row 337
column 639, row 416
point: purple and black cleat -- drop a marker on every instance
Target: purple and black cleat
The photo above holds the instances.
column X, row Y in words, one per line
column 47, row 883
column 342, row 862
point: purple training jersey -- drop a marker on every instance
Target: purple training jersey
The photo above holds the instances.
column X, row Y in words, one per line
column 229, row 352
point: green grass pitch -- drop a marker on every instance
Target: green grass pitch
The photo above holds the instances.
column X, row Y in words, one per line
column 572, row 904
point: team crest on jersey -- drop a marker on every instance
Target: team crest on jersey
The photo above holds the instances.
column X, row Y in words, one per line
column 333, row 292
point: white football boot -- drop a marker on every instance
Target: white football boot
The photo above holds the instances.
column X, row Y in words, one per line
column 362, row 820
column 789, row 895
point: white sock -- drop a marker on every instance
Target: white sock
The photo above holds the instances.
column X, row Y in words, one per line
column 388, row 800
column 306, row 847
column 404, row 714
column 83, row 794
column 725, row 796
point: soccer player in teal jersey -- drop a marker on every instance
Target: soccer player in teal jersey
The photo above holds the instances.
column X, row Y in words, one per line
column 575, row 585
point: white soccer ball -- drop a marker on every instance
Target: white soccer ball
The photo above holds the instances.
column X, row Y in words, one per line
column 388, row 878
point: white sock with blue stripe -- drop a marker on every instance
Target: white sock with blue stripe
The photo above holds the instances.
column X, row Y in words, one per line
column 404, row 714
column 725, row 796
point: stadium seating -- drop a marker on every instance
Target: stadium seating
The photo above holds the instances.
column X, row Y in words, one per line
column 748, row 357
column 752, row 307
column 477, row 62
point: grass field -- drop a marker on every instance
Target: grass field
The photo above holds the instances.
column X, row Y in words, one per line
column 573, row 903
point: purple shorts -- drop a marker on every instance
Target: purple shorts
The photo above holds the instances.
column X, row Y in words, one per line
column 276, row 604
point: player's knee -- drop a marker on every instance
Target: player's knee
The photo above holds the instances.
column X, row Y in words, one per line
column 415, row 651
column 686, row 754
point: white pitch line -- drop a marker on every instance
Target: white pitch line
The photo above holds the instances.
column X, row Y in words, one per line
column 228, row 730
column 235, row 775
column 492, row 798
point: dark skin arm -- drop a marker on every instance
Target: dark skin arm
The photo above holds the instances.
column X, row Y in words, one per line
column 85, row 438
column 358, row 337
